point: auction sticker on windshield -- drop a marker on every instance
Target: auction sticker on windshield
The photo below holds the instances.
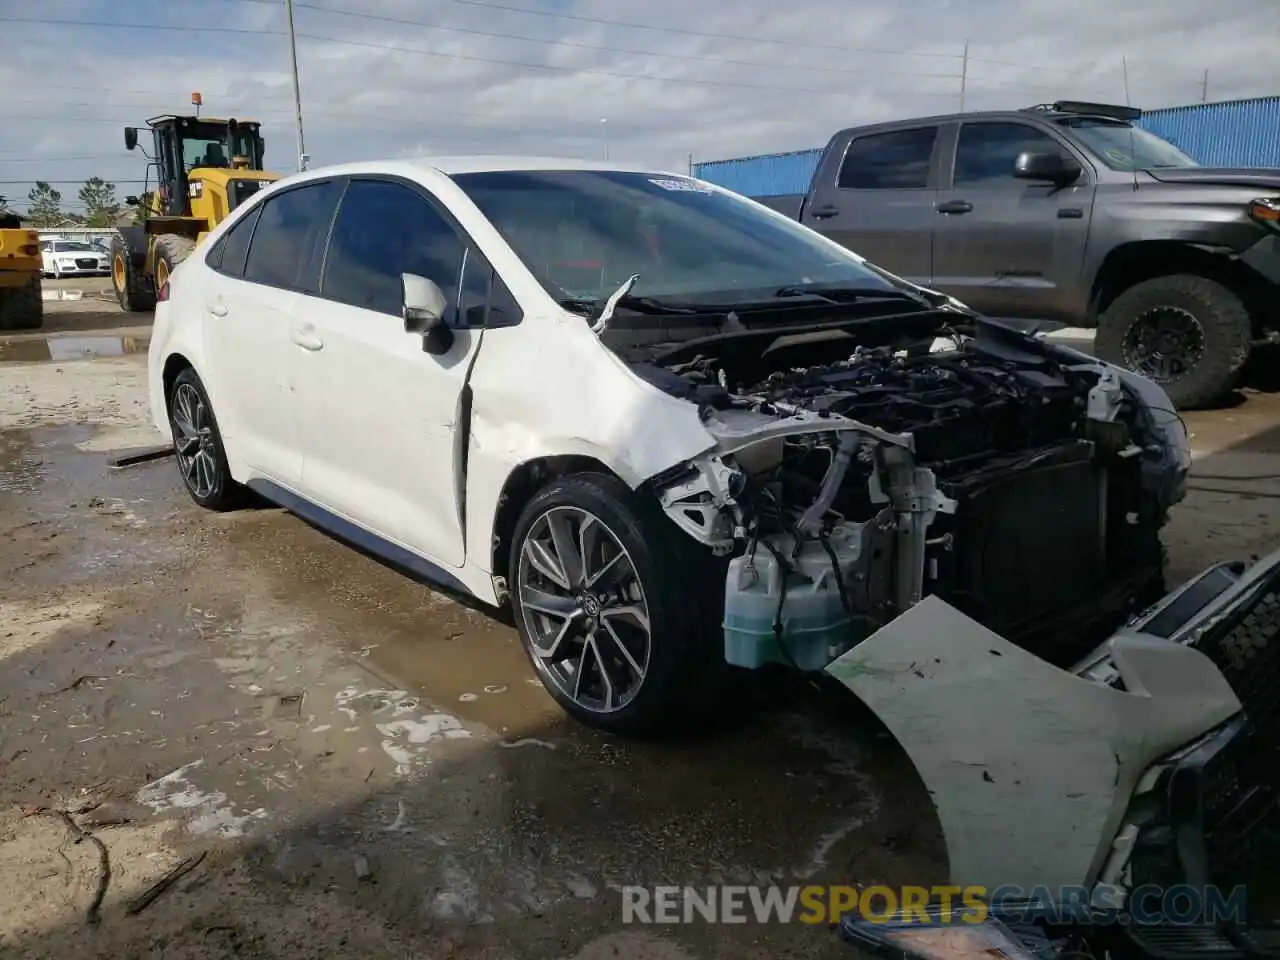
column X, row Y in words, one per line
column 689, row 186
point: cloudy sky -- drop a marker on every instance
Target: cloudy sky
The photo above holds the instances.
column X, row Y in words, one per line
column 645, row 80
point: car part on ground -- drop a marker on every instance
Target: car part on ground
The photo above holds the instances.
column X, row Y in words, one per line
column 21, row 304
column 1149, row 765
column 205, row 168
column 1177, row 265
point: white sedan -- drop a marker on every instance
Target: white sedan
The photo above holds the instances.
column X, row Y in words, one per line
column 675, row 430
column 73, row 258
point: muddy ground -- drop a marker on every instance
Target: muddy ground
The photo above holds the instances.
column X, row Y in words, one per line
column 366, row 765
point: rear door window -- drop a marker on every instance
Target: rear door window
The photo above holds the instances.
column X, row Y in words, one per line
column 290, row 235
column 385, row 229
column 896, row 160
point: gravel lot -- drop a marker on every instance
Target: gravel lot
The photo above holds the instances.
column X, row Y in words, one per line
column 368, row 766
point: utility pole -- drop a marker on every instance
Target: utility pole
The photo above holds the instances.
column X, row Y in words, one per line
column 604, row 125
column 297, row 92
column 1124, row 63
column 964, row 74
column 691, row 164
column 1204, row 88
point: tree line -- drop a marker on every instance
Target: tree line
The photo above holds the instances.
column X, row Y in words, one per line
column 97, row 197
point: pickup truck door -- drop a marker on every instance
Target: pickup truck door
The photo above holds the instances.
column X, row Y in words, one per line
column 378, row 414
column 876, row 198
column 1010, row 247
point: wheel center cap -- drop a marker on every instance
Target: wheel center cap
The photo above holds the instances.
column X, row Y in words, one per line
column 590, row 606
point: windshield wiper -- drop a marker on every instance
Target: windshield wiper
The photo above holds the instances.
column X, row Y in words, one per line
column 836, row 293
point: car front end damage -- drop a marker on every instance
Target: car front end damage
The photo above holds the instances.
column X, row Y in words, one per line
column 1022, row 482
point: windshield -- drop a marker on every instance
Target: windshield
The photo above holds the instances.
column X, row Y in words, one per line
column 584, row 232
column 213, row 145
column 1117, row 144
column 67, row 246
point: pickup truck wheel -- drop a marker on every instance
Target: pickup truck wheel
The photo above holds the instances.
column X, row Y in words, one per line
column 1189, row 334
column 611, row 607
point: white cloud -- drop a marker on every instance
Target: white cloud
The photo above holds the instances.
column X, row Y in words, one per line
column 67, row 91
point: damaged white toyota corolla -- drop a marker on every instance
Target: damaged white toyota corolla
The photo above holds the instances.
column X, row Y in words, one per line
column 675, row 428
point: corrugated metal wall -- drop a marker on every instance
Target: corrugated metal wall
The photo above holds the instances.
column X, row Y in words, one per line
column 772, row 175
column 1235, row 133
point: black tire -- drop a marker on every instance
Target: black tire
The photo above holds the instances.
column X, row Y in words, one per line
column 1225, row 334
column 222, row 492
column 171, row 250
column 133, row 290
column 683, row 589
column 22, row 308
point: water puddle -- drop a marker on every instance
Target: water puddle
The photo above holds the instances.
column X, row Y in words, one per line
column 72, row 348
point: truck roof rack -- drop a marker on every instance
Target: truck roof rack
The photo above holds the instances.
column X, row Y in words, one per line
column 1084, row 108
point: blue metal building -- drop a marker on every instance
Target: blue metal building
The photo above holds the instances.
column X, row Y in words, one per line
column 1234, row 133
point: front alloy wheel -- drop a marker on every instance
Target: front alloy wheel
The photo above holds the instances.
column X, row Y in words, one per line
column 617, row 608
column 584, row 609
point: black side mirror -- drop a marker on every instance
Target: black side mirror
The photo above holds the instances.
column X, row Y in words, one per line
column 130, row 137
column 1049, row 167
column 424, row 313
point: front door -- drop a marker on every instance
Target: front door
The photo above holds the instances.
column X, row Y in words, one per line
column 1009, row 247
column 378, row 414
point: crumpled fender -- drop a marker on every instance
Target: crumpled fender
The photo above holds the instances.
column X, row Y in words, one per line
column 1030, row 767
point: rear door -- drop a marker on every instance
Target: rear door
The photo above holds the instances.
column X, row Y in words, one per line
column 259, row 267
column 877, row 199
column 1005, row 246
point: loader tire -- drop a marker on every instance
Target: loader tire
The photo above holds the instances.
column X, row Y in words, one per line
column 22, row 308
column 171, row 250
column 131, row 285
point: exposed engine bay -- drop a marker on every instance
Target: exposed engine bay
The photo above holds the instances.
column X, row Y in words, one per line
column 1023, row 483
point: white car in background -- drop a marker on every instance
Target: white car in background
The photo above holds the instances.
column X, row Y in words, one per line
column 72, row 258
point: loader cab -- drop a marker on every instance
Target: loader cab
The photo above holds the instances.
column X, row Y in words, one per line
column 183, row 144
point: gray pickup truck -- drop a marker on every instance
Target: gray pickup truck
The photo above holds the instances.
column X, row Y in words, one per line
column 1067, row 212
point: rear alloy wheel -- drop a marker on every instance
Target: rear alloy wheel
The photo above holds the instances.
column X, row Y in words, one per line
column 1189, row 334
column 611, row 607
column 197, row 446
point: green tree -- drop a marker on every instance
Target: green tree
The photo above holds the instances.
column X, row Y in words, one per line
column 100, row 204
column 43, row 204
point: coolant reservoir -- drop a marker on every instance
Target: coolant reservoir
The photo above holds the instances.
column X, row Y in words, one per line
column 816, row 628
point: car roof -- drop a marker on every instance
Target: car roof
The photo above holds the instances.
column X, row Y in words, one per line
column 1051, row 116
column 452, row 166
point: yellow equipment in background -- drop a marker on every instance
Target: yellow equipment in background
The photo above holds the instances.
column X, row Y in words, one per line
column 21, row 306
column 205, row 168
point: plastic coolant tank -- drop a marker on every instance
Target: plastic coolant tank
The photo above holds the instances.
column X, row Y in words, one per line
column 815, row 626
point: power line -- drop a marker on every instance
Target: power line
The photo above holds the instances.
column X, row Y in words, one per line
column 239, row 31
column 429, row 25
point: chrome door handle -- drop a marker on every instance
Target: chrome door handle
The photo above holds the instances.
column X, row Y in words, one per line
column 307, row 341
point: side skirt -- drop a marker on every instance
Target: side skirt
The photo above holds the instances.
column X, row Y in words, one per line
column 392, row 554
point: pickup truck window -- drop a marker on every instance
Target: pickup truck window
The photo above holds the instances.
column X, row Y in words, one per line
column 898, row 160
column 582, row 233
column 986, row 152
column 1124, row 147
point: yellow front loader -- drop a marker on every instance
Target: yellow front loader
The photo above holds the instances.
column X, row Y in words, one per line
column 205, row 168
column 21, row 306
